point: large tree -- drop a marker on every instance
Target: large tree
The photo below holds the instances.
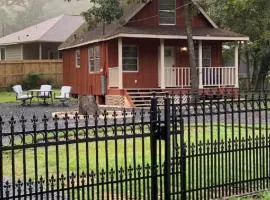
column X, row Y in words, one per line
column 188, row 10
column 249, row 17
column 104, row 11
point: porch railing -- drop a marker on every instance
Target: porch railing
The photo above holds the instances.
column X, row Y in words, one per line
column 218, row 76
column 113, row 77
column 210, row 76
column 180, row 77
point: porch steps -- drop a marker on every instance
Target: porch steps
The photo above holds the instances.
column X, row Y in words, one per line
column 142, row 97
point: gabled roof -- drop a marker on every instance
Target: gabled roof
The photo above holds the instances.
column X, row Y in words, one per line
column 57, row 29
column 121, row 28
column 96, row 33
column 204, row 14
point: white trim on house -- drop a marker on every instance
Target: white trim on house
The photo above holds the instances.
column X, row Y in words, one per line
column 151, row 36
column 120, row 63
column 162, row 64
column 236, row 64
column 200, row 64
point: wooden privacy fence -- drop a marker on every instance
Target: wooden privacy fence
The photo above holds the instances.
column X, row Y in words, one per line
column 12, row 72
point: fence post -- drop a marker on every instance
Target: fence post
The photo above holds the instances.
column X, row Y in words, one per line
column 153, row 143
column 183, row 161
column 167, row 163
column 1, row 160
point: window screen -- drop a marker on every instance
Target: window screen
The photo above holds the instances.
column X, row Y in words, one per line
column 94, row 59
column 130, row 58
column 167, row 13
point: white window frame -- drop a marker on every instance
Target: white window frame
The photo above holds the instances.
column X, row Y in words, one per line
column 169, row 11
column 78, row 65
column 90, row 58
column 131, row 71
column 3, row 48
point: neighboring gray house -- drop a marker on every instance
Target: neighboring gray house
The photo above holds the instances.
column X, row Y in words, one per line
column 40, row 41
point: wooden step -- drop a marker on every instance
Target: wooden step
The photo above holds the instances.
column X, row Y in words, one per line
column 142, row 97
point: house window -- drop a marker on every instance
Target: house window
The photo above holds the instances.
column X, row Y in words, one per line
column 206, row 55
column 78, row 58
column 2, row 54
column 94, row 59
column 130, row 58
column 167, row 12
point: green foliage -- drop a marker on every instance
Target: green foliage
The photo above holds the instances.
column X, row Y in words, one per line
column 31, row 81
column 249, row 17
column 103, row 11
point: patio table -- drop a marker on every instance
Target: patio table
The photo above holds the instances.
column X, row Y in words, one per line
column 35, row 92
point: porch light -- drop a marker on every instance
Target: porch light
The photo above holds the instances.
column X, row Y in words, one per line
column 183, row 49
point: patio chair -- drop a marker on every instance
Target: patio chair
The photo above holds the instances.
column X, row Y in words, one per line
column 64, row 94
column 45, row 93
column 20, row 94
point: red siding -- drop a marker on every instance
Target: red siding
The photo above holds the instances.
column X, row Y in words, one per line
column 149, row 16
column 80, row 79
column 147, row 76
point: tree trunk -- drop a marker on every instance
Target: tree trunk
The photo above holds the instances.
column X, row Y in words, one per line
column 88, row 105
column 191, row 50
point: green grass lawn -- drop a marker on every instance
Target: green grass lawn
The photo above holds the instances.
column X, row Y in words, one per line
column 132, row 150
column 10, row 97
column 7, row 97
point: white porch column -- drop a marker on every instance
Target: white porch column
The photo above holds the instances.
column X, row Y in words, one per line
column 236, row 64
column 120, row 63
column 200, row 65
column 40, row 51
column 162, row 64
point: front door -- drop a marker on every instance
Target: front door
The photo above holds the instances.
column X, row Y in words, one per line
column 170, row 73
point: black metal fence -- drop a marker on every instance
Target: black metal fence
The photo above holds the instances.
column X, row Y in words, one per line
column 183, row 149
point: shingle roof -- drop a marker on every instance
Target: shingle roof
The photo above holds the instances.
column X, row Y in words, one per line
column 97, row 33
column 57, row 29
column 176, row 31
column 121, row 27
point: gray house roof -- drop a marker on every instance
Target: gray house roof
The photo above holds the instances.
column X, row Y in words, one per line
column 57, row 29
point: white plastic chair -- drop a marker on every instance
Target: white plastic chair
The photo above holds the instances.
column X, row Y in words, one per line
column 20, row 95
column 64, row 94
column 45, row 92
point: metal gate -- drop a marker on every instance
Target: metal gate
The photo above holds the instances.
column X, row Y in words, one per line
column 167, row 128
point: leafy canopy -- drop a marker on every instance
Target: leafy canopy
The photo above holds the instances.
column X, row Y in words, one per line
column 104, row 11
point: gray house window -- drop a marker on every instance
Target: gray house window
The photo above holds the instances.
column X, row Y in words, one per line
column 130, row 58
column 167, row 12
column 3, row 54
column 206, row 55
column 78, row 58
column 94, row 59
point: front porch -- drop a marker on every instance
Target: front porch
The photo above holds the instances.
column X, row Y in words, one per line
column 179, row 77
column 169, row 66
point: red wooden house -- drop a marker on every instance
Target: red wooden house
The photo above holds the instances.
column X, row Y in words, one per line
column 146, row 50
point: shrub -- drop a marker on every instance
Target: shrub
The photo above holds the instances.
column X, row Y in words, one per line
column 31, row 81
